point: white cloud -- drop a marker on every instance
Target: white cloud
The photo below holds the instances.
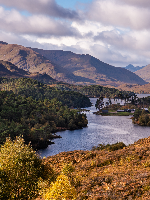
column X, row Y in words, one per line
column 138, row 3
column 110, row 12
column 13, row 21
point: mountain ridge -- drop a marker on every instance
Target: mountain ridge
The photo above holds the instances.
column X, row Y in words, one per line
column 67, row 66
column 89, row 66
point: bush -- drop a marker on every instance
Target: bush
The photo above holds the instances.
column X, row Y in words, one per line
column 110, row 147
column 20, row 169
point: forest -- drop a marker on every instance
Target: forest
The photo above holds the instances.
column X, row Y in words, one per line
column 36, row 120
column 28, row 87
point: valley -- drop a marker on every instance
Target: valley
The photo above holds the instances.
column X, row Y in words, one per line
column 42, row 93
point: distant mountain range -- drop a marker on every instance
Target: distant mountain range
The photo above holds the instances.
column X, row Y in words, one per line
column 132, row 68
column 65, row 66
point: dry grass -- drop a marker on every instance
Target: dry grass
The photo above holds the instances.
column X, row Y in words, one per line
column 120, row 174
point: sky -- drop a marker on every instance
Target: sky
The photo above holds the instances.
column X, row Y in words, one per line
column 116, row 32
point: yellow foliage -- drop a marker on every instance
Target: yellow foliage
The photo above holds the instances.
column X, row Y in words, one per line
column 20, row 169
column 61, row 190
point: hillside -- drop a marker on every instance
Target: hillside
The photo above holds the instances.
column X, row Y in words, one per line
column 140, row 89
column 32, row 88
column 144, row 73
column 89, row 67
column 29, row 60
column 8, row 70
column 67, row 66
column 107, row 174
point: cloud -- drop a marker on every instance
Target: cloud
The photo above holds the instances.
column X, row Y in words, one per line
column 115, row 31
column 39, row 25
column 114, row 13
column 44, row 7
column 138, row 3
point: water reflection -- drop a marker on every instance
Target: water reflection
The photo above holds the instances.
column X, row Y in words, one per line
column 101, row 129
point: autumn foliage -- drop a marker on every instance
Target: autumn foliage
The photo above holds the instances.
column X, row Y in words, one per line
column 20, row 169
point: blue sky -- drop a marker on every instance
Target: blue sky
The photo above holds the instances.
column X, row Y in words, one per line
column 116, row 32
column 71, row 3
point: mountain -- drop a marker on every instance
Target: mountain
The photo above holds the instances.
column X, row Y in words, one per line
column 29, row 60
column 67, row 66
column 9, row 70
column 144, row 73
column 89, row 67
column 132, row 68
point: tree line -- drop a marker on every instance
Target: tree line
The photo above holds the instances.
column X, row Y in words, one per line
column 94, row 90
column 28, row 87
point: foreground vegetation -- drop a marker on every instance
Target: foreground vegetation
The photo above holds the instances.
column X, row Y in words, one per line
column 36, row 120
column 106, row 172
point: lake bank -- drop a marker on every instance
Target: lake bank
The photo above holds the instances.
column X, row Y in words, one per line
column 100, row 129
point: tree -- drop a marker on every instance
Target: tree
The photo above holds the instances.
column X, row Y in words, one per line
column 99, row 103
column 22, row 167
column 61, row 189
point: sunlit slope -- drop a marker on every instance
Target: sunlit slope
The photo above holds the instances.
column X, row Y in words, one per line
column 144, row 73
column 89, row 67
column 67, row 66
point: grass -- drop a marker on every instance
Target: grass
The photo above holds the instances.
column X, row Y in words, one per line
column 114, row 113
column 117, row 114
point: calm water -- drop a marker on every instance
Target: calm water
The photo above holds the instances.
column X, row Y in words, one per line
column 101, row 129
